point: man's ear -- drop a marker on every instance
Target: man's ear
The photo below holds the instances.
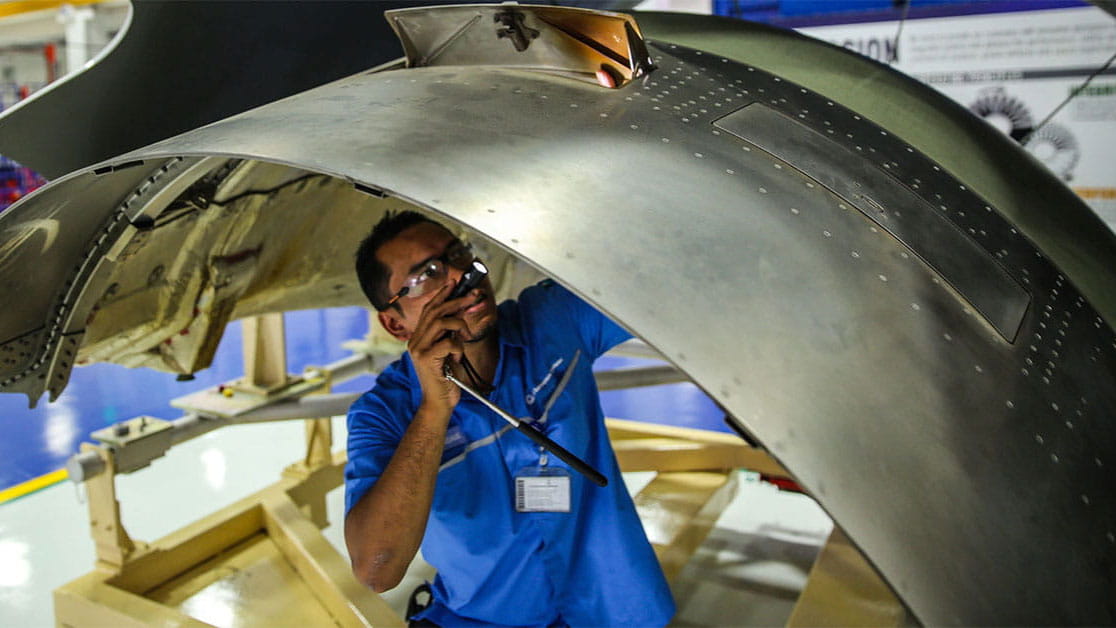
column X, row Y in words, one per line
column 391, row 322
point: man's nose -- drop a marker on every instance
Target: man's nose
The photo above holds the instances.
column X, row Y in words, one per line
column 454, row 273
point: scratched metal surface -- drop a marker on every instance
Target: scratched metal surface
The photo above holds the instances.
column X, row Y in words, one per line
column 954, row 419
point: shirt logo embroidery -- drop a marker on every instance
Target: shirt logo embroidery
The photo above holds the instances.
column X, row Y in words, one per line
column 454, row 438
column 535, row 391
column 532, row 396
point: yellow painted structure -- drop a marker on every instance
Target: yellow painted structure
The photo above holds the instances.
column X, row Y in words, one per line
column 844, row 590
column 261, row 558
column 17, row 7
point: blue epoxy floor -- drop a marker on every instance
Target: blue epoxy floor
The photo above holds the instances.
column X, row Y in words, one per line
column 38, row 441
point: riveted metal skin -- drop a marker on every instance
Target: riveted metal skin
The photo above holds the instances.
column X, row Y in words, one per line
column 955, row 422
column 1010, row 180
column 56, row 245
column 832, row 155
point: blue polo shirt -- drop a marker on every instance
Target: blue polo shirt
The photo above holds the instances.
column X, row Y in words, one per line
column 592, row 566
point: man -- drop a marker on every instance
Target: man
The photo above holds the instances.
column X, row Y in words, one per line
column 517, row 537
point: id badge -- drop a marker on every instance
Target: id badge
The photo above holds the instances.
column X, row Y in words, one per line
column 542, row 489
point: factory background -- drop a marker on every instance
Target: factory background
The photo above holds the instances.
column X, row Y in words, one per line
column 1039, row 70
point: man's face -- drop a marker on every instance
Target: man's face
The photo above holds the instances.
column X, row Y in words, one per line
column 410, row 253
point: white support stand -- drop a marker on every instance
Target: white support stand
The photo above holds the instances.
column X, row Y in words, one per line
column 76, row 23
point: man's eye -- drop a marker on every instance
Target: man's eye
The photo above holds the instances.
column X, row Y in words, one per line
column 430, row 272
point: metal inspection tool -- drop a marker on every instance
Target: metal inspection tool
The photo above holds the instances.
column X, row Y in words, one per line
column 540, row 439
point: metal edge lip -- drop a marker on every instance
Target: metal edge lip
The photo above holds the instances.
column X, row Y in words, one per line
column 109, row 48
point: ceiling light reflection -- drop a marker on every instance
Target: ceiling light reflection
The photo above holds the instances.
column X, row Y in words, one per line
column 61, row 431
column 15, row 568
column 214, row 462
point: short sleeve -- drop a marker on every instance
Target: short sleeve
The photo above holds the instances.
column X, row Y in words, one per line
column 376, row 423
column 598, row 332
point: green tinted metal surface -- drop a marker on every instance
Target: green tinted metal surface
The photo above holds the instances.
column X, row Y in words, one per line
column 1017, row 185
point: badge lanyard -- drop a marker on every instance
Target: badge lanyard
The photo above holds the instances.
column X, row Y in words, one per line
column 543, row 488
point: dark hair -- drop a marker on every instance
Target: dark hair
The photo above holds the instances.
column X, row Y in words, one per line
column 372, row 273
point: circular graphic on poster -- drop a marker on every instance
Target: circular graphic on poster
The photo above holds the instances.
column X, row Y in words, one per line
column 1003, row 111
column 1052, row 144
column 1056, row 147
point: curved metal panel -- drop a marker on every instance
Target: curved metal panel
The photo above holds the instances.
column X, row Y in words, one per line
column 924, row 228
column 161, row 78
column 989, row 162
column 974, row 472
column 54, row 243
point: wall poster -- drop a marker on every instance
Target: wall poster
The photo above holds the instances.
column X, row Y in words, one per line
column 1014, row 70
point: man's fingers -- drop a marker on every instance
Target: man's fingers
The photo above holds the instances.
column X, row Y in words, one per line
column 451, row 347
column 440, row 353
column 431, row 333
column 441, row 317
column 449, row 308
column 439, row 295
column 441, row 306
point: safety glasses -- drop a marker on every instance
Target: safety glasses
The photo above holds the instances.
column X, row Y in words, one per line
column 433, row 276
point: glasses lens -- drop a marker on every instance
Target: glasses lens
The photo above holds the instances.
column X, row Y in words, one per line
column 431, row 278
column 459, row 255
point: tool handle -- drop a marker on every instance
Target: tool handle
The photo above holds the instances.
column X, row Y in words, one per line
column 577, row 463
column 540, row 439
